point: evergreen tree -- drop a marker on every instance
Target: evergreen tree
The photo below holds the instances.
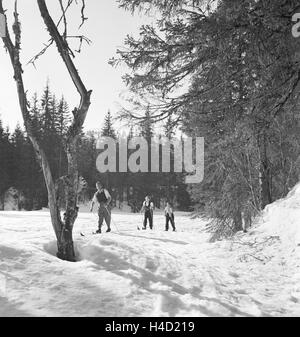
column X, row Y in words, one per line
column 169, row 128
column 108, row 128
column 35, row 113
column 47, row 120
column 5, row 163
column 55, row 119
column 147, row 183
column 63, row 118
column 147, row 126
column 242, row 69
column 20, row 170
column 62, row 122
column 87, row 156
column 108, row 178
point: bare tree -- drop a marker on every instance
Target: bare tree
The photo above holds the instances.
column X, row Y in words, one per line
column 63, row 226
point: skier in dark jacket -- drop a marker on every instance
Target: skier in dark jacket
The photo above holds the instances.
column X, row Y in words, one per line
column 147, row 208
column 103, row 199
column 169, row 214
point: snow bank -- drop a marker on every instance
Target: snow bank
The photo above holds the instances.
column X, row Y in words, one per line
column 152, row 273
column 282, row 218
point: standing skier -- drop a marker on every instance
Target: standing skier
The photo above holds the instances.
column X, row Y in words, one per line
column 147, row 208
column 169, row 214
column 103, row 199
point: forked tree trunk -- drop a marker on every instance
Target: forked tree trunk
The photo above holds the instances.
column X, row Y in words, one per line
column 238, row 221
column 63, row 227
column 264, row 174
column 2, row 201
column 65, row 239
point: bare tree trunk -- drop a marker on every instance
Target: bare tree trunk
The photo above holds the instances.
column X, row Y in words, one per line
column 264, row 174
column 65, row 241
column 62, row 228
column 2, row 201
column 238, row 221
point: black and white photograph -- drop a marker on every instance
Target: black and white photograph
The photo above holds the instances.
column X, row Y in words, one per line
column 149, row 161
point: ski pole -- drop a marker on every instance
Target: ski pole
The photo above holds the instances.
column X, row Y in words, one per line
column 95, row 216
column 111, row 219
column 138, row 227
column 142, row 218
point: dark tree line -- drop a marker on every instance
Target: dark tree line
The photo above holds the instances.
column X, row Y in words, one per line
column 19, row 167
column 51, row 118
column 239, row 66
column 131, row 187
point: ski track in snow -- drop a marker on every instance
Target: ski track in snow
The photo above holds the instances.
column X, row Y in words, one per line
column 151, row 273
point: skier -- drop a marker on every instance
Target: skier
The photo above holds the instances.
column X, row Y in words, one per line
column 147, row 208
column 103, row 199
column 169, row 214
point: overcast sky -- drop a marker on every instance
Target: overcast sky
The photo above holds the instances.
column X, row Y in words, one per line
column 107, row 26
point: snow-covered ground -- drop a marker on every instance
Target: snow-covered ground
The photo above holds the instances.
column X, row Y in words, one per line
column 152, row 273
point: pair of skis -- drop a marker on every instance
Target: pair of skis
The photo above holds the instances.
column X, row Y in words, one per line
column 84, row 235
column 93, row 233
column 139, row 228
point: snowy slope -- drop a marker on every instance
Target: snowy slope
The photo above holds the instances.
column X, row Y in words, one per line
column 142, row 273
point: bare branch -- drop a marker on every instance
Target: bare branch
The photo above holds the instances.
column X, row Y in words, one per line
column 64, row 11
column 14, row 53
column 42, row 52
column 63, row 49
column 82, row 39
column 83, row 18
column 64, row 18
column 63, row 229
